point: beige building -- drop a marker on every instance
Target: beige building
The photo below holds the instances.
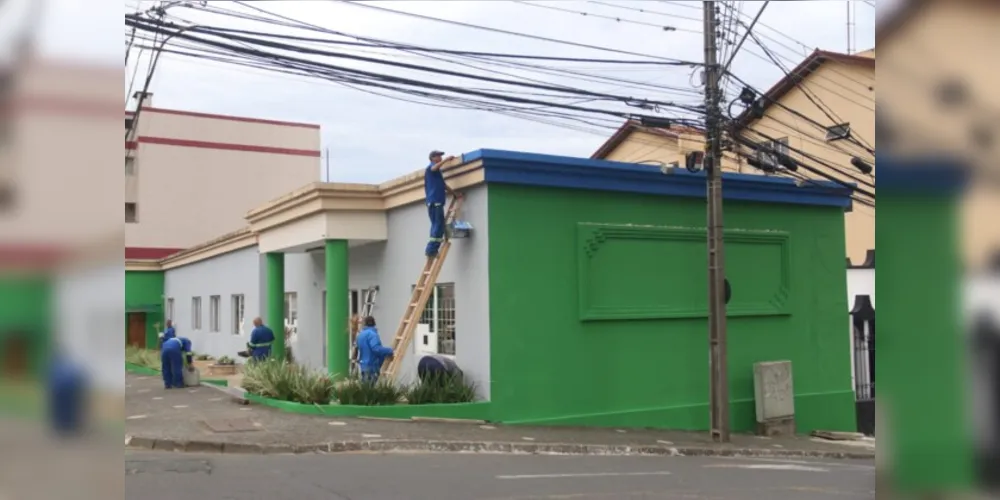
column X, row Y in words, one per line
column 190, row 177
column 843, row 84
column 939, row 59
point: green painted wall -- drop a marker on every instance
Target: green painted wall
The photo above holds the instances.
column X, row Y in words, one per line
column 144, row 293
column 598, row 309
column 26, row 311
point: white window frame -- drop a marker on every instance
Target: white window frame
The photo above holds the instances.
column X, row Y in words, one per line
column 196, row 313
column 239, row 306
column 214, row 316
column 291, row 320
column 439, row 315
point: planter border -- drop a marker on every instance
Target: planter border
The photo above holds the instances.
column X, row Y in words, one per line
column 152, row 372
column 458, row 411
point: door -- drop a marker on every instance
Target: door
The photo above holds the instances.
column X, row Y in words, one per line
column 136, row 335
column 14, row 364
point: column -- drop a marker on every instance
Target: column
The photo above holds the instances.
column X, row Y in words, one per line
column 275, row 314
column 337, row 314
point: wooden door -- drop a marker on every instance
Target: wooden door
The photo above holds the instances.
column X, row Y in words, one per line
column 14, row 364
column 136, row 336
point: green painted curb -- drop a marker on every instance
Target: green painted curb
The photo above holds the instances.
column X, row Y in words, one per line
column 458, row 411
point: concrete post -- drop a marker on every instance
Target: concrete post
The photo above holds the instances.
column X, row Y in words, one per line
column 275, row 315
column 337, row 313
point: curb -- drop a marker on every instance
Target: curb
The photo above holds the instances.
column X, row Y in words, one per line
column 390, row 446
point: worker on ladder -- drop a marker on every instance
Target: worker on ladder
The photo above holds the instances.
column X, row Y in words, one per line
column 436, row 191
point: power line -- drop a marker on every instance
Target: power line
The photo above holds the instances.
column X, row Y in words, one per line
column 729, row 63
column 294, row 23
column 498, row 30
column 644, row 103
column 813, row 99
column 378, row 79
column 600, row 16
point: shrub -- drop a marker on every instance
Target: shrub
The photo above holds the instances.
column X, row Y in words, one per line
column 225, row 361
column 447, row 388
column 286, row 382
column 142, row 357
column 442, row 389
column 362, row 393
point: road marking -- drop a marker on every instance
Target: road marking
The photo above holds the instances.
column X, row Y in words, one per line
column 338, row 424
column 784, row 467
column 593, row 474
column 136, row 417
column 371, row 436
column 180, row 407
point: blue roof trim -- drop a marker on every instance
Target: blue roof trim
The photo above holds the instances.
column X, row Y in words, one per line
column 923, row 176
column 529, row 169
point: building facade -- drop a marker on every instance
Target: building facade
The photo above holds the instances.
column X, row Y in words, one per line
column 844, row 85
column 190, row 177
column 578, row 299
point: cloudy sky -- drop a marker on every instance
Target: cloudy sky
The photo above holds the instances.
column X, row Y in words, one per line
column 373, row 138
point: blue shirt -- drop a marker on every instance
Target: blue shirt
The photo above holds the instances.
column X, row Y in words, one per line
column 371, row 352
column 169, row 333
column 434, row 186
column 185, row 344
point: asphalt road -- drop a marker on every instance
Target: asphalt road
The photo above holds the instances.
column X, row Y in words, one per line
column 164, row 476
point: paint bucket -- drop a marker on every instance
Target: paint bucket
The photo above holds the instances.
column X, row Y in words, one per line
column 436, row 365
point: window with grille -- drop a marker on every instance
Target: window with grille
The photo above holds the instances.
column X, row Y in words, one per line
column 170, row 309
column 239, row 309
column 291, row 312
column 130, row 166
column 196, row 313
column 131, row 213
column 439, row 315
column 214, row 321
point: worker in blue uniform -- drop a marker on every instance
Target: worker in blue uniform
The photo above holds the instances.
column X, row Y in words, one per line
column 261, row 339
column 172, row 363
column 371, row 352
column 67, row 395
column 169, row 332
column 436, row 191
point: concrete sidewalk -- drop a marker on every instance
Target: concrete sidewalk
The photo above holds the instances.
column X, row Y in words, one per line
column 206, row 420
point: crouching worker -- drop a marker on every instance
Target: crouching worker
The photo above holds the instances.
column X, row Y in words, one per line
column 261, row 339
column 172, row 363
column 371, row 352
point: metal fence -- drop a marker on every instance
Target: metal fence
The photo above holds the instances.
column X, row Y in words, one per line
column 863, row 323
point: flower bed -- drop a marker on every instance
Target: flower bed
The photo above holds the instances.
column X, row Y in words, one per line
column 297, row 389
column 457, row 411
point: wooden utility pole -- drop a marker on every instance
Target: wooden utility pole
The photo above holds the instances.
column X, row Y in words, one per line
column 718, row 360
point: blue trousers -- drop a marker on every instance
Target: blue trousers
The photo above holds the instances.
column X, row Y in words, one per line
column 436, row 214
column 172, row 366
column 370, row 376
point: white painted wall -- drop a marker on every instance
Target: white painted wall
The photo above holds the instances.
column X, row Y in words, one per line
column 90, row 304
column 239, row 272
column 394, row 266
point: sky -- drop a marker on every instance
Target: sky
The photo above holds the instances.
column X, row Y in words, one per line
column 373, row 138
